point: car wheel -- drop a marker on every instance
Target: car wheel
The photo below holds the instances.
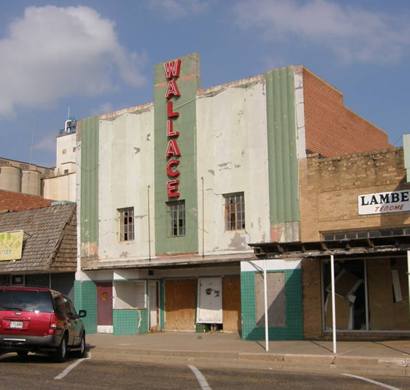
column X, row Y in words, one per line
column 22, row 354
column 82, row 346
column 61, row 353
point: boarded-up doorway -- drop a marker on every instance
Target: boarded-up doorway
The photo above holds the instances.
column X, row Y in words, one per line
column 231, row 303
column 180, row 304
column 209, row 310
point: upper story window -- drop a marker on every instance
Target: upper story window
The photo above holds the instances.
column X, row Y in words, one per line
column 235, row 211
column 176, row 213
column 126, row 224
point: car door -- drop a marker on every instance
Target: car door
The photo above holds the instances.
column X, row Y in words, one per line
column 60, row 304
column 75, row 323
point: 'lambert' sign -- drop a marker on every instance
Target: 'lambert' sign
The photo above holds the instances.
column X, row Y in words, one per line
column 384, row 202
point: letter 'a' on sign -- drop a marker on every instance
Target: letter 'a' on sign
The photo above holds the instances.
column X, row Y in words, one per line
column 172, row 69
column 172, row 189
column 173, row 149
column 172, row 89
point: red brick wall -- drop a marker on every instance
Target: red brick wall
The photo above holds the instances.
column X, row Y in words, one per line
column 332, row 129
column 15, row 201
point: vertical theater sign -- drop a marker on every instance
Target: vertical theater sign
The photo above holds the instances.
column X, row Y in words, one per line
column 173, row 153
column 176, row 84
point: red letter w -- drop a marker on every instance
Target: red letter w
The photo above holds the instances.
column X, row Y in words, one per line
column 172, row 69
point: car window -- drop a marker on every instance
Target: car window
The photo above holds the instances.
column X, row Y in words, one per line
column 70, row 308
column 26, row 301
column 60, row 306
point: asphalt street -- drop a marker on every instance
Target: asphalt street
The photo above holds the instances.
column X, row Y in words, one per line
column 39, row 372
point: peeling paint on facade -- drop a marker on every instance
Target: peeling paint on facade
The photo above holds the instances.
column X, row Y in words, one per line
column 243, row 137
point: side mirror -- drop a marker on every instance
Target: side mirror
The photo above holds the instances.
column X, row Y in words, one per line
column 82, row 313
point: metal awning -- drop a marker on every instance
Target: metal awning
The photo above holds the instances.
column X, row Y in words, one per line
column 357, row 247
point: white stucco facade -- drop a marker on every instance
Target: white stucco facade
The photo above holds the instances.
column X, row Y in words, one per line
column 232, row 159
column 126, row 176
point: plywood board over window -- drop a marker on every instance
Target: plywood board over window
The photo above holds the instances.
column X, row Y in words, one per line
column 180, row 304
column 129, row 295
column 276, row 299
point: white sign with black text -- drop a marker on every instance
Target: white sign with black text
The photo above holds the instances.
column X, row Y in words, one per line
column 384, row 202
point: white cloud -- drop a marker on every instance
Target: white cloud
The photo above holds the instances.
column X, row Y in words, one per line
column 103, row 108
column 353, row 34
column 175, row 9
column 46, row 144
column 52, row 52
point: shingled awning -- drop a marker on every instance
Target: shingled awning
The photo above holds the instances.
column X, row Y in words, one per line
column 50, row 239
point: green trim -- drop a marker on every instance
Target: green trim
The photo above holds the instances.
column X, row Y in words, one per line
column 283, row 167
column 85, row 298
column 188, row 83
column 130, row 322
column 88, row 130
column 294, row 311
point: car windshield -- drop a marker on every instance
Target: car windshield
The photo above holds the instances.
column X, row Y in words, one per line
column 26, row 301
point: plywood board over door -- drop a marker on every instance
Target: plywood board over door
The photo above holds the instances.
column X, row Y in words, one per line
column 231, row 303
column 180, row 304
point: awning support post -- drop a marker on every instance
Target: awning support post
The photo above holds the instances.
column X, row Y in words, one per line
column 265, row 290
column 408, row 273
column 332, row 276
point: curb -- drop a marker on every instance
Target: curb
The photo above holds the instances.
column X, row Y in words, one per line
column 359, row 364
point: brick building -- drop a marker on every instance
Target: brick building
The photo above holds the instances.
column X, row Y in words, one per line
column 330, row 192
column 355, row 208
column 172, row 192
column 15, row 201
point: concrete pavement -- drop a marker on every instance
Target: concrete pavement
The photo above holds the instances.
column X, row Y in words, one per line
column 376, row 357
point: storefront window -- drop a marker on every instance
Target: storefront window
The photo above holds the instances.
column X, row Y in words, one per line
column 350, row 295
column 370, row 294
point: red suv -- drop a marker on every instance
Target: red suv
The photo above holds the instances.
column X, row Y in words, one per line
column 40, row 320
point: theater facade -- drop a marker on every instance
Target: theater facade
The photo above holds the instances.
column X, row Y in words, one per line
column 170, row 194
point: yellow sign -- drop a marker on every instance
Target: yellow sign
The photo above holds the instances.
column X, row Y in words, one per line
column 11, row 245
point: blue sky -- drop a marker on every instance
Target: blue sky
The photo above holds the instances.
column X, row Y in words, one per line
column 98, row 56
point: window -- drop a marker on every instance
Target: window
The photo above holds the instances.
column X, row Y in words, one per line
column 126, row 224
column 26, row 300
column 176, row 212
column 129, row 295
column 234, row 211
column 355, row 234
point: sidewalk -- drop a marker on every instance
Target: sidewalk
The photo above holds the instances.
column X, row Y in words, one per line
column 378, row 357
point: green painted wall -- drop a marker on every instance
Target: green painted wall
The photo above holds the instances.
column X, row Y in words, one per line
column 294, row 312
column 188, row 83
column 129, row 322
column 88, row 130
column 85, row 298
column 283, row 168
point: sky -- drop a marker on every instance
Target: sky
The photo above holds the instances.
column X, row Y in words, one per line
column 96, row 56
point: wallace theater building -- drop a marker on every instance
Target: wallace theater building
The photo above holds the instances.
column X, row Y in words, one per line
column 170, row 194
